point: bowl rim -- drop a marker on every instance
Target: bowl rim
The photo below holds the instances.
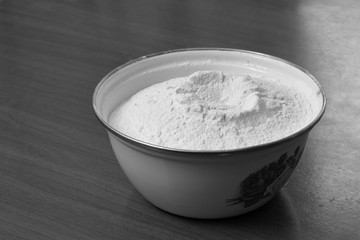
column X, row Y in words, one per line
column 158, row 148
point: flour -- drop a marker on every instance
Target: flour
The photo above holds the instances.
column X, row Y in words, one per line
column 213, row 111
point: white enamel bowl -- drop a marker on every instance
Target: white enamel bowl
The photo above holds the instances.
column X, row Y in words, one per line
column 204, row 184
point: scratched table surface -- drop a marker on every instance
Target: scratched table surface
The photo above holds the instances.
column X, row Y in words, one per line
column 59, row 178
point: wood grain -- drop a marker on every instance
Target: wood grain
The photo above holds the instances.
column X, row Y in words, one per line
column 58, row 176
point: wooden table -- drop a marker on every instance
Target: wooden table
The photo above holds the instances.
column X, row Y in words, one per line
column 59, row 178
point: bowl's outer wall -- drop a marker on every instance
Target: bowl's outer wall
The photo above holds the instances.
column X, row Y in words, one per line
column 204, row 185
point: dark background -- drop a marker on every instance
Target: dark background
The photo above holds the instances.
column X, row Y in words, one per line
column 58, row 176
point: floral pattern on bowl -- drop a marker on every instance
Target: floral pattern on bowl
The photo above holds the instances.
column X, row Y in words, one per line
column 267, row 181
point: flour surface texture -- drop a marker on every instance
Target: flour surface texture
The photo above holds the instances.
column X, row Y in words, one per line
column 213, row 111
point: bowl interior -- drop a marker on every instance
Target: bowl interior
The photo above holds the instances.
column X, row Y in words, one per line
column 133, row 76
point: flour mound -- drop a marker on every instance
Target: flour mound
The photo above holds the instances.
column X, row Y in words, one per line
column 213, row 111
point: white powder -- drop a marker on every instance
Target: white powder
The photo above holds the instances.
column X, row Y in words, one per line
column 213, row 111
